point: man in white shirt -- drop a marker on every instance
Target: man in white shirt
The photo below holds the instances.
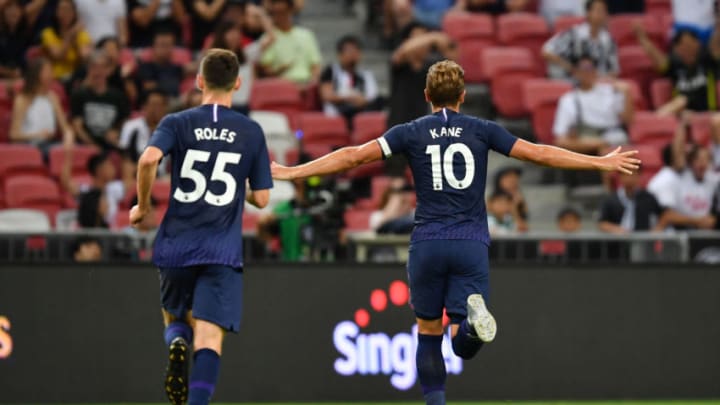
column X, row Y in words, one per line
column 664, row 183
column 591, row 118
column 590, row 38
column 104, row 18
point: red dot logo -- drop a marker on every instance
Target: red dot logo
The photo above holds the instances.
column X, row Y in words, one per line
column 362, row 318
column 378, row 300
column 399, row 293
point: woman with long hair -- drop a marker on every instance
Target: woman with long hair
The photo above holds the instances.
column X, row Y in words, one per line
column 65, row 42
column 37, row 114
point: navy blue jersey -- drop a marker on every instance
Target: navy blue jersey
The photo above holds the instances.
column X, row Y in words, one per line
column 214, row 151
column 448, row 153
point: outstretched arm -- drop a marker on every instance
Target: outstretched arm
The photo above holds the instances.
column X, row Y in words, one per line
column 147, row 171
column 552, row 156
column 337, row 161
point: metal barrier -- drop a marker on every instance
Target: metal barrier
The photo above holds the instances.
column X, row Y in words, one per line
column 547, row 247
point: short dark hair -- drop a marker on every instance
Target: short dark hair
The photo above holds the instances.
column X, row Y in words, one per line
column 590, row 3
column 163, row 32
column 568, row 211
column 347, row 40
column 105, row 40
column 153, row 92
column 684, row 32
column 219, row 69
column 95, row 161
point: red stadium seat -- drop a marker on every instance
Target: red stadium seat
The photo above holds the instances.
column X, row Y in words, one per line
column 650, row 129
column 524, row 30
column 277, row 95
column 658, row 7
column 541, row 97
column 637, row 95
column 357, row 220
column 320, row 128
column 635, row 64
column 622, row 29
column 187, row 84
column 565, row 22
column 180, row 56
column 650, row 156
column 315, row 150
column 660, row 92
column 292, row 157
column 250, row 222
column 5, row 120
column 80, row 156
column 508, row 69
column 469, row 51
column 18, row 159
column 32, row 191
column 460, row 25
column 368, row 126
column 161, row 191
column 700, row 128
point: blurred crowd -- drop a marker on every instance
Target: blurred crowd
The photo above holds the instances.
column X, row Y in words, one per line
column 99, row 75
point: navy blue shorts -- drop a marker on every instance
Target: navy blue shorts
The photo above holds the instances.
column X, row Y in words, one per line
column 212, row 292
column 443, row 273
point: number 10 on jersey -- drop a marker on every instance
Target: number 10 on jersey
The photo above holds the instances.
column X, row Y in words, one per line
column 442, row 166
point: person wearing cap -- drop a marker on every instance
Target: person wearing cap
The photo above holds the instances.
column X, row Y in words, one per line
column 507, row 179
column 591, row 118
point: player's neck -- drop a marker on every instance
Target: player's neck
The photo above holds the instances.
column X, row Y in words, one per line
column 223, row 99
column 455, row 108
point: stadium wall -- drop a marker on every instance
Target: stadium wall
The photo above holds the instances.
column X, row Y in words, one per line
column 329, row 332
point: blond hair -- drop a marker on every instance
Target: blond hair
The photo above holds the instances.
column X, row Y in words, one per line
column 445, row 83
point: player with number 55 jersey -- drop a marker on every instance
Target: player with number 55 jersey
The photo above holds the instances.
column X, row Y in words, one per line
column 216, row 153
column 448, row 261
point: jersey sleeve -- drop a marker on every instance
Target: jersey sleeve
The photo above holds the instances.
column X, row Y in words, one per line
column 393, row 141
column 165, row 135
column 499, row 139
column 260, row 178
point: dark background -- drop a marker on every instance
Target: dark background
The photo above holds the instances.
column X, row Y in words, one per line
column 91, row 333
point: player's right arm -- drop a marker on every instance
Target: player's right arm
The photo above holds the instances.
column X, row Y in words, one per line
column 146, row 173
column 337, row 161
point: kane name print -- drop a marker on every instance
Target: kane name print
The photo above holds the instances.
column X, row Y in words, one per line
column 214, row 134
column 454, row 132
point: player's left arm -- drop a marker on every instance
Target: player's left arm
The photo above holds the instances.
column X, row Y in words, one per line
column 146, row 174
column 552, row 156
column 337, row 161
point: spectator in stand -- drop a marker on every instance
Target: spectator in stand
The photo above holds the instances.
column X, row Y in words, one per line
column 104, row 18
column 14, row 40
column 396, row 214
column 694, row 187
column 161, row 72
column 295, row 54
column 552, row 9
column 291, row 222
column 499, row 214
column 507, row 179
column 344, row 89
column 65, row 42
column 37, row 114
column 229, row 36
column 409, row 65
column 255, row 23
column 204, row 15
column 590, row 118
column 697, row 16
column 630, row 208
column 136, row 132
column 99, row 200
column 662, row 184
column 494, row 7
column 569, row 220
column 121, row 76
column 589, row 39
column 692, row 68
column 97, row 109
column 87, row 249
column 150, row 16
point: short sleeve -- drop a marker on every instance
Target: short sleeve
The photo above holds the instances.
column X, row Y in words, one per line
column 165, row 135
column 326, row 75
column 499, row 139
column 260, row 177
column 565, row 116
column 393, row 141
